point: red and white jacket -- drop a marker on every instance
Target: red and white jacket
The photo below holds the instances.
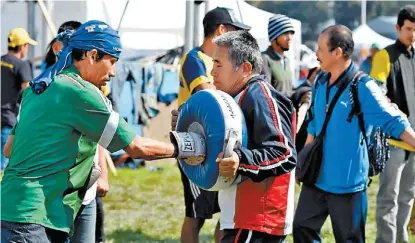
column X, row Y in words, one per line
column 264, row 201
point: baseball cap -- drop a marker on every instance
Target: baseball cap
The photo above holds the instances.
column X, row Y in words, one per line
column 18, row 37
column 222, row 15
column 375, row 46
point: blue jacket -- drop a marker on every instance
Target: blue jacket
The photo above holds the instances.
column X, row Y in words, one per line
column 345, row 158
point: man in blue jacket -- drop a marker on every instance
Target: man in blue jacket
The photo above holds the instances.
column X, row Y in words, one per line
column 340, row 190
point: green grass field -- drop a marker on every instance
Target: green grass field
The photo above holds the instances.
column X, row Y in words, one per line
column 144, row 206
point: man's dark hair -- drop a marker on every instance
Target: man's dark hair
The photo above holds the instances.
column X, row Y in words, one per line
column 69, row 25
column 342, row 37
column 209, row 30
column 79, row 55
column 14, row 49
column 50, row 57
column 406, row 13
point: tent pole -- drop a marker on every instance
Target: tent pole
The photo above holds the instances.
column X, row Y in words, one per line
column 47, row 17
column 123, row 13
column 207, row 6
column 31, row 28
column 188, row 31
column 240, row 12
column 363, row 12
column 197, row 37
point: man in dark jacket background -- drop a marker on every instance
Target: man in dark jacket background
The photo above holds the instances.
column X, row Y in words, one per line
column 394, row 66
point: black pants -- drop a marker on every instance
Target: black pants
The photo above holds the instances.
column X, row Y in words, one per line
column 250, row 236
column 99, row 231
column 347, row 213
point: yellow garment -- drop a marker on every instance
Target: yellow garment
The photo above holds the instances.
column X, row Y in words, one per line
column 105, row 89
column 401, row 145
column 195, row 68
column 18, row 37
column 381, row 66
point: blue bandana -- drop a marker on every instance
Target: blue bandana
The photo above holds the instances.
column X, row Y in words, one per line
column 93, row 34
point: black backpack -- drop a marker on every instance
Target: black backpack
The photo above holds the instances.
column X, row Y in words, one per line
column 378, row 143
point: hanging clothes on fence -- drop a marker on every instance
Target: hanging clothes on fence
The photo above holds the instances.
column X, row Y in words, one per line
column 127, row 85
column 169, row 89
column 151, row 82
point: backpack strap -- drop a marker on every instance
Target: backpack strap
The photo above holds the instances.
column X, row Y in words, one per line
column 356, row 109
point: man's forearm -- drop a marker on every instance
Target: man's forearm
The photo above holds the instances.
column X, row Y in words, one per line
column 149, row 149
column 102, row 161
column 408, row 136
column 8, row 147
column 309, row 139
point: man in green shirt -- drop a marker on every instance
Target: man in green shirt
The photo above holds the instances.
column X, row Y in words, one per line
column 44, row 184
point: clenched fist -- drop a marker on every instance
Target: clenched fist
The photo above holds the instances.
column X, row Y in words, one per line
column 228, row 166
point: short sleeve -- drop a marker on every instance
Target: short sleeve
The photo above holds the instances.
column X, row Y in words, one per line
column 381, row 66
column 378, row 111
column 94, row 117
column 311, row 127
column 13, row 131
column 194, row 72
column 24, row 72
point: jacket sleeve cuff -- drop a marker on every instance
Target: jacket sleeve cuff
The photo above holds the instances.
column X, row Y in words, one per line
column 397, row 128
column 241, row 155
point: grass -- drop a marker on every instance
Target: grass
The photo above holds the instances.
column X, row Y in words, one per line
column 147, row 206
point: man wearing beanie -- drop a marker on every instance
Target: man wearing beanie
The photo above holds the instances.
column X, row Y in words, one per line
column 276, row 65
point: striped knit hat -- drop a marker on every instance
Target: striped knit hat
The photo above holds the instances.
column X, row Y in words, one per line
column 278, row 25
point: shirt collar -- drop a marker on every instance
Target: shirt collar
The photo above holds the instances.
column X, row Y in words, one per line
column 274, row 55
column 278, row 55
column 404, row 49
column 71, row 69
column 345, row 76
column 254, row 78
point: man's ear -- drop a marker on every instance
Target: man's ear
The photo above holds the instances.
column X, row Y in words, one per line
column 398, row 28
column 247, row 69
column 92, row 54
column 56, row 46
column 220, row 30
column 339, row 52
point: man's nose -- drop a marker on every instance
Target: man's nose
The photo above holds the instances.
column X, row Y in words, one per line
column 112, row 72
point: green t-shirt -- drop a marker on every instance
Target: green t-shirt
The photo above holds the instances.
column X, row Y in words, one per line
column 79, row 174
column 42, row 176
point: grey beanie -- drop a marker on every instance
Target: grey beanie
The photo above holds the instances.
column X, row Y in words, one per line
column 278, row 25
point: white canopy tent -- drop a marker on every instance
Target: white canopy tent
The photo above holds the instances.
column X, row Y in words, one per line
column 147, row 25
column 160, row 19
column 385, row 25
column 364, row 36
column 160, row 24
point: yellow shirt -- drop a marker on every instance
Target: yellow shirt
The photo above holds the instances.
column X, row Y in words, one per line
column 195, row 68
column 381, row 66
